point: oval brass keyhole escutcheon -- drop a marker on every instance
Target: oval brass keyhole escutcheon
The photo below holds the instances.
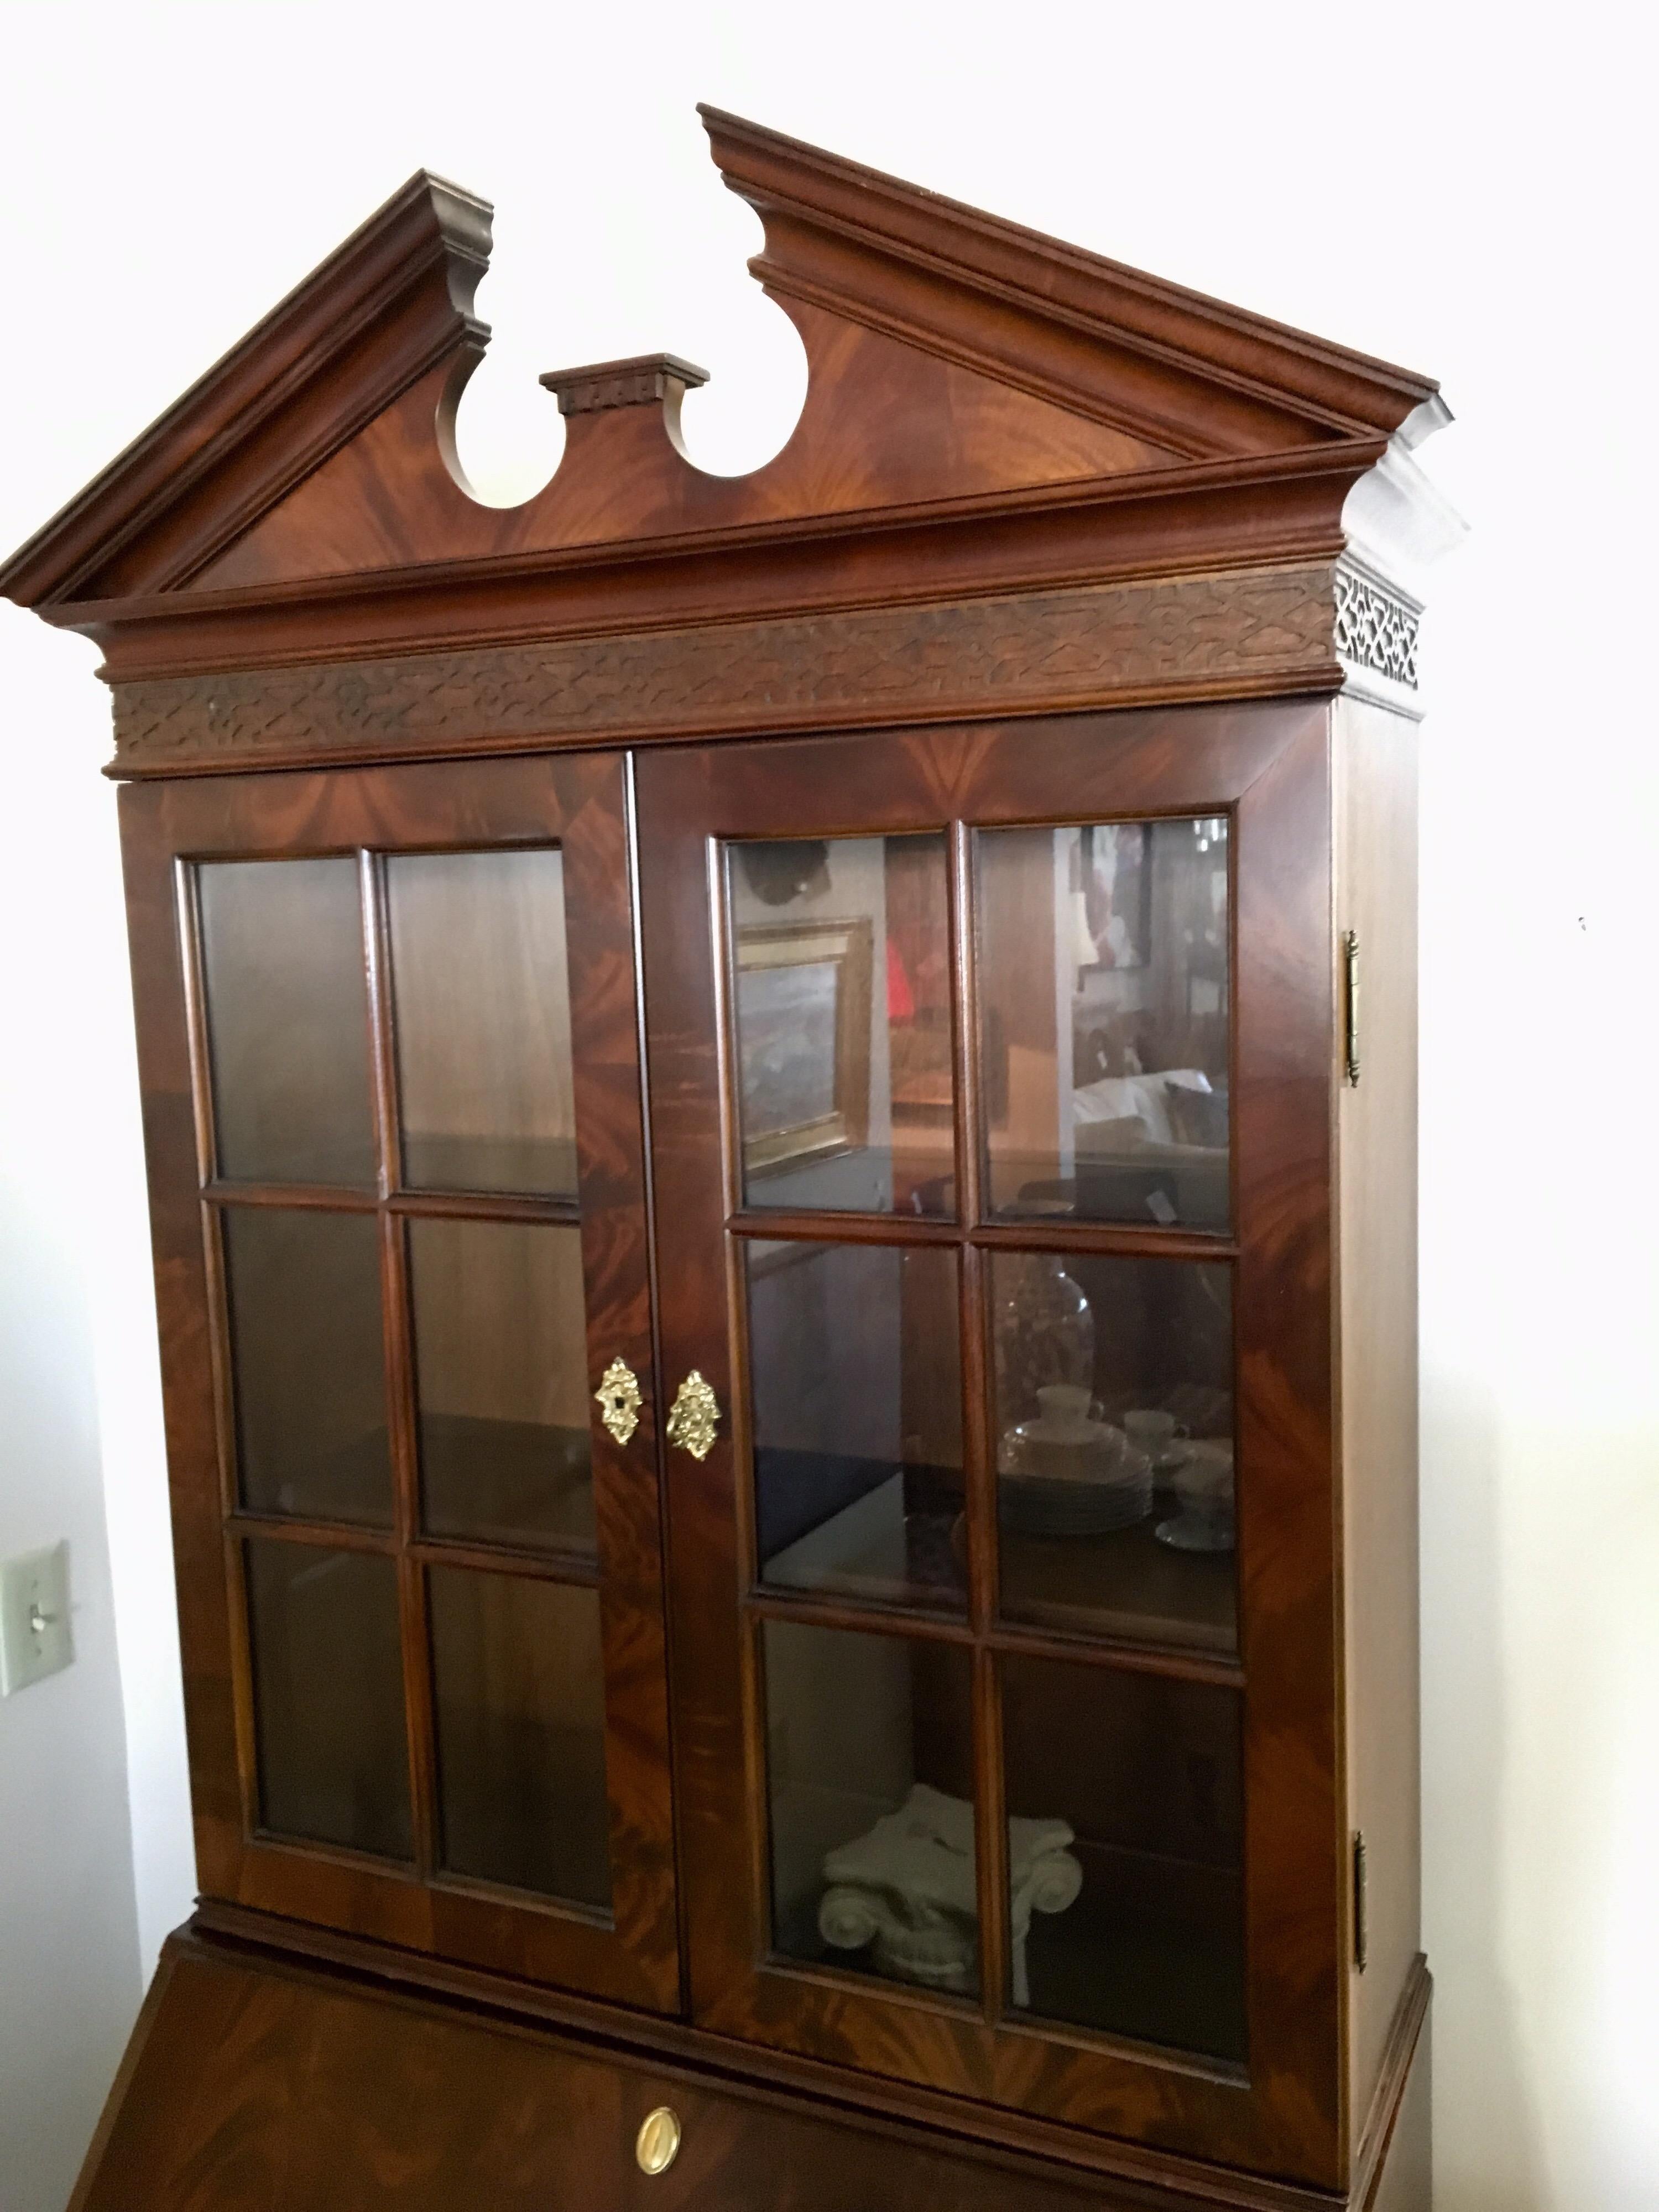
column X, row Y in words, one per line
column 696, row 1414
column 658, row 2143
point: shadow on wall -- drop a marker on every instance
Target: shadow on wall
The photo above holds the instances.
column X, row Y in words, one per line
column 1488, row 2154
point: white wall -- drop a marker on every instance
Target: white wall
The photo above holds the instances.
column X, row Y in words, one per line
column 1463, row 188
column 69, row 1968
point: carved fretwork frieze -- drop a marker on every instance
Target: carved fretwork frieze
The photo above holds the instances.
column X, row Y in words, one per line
column 1251, row 630
column 1374, row 628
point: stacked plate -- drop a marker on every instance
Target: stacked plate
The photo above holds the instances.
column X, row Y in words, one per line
column 1093, row 1501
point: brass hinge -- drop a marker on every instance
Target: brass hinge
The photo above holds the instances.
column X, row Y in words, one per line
column 1351, row 1005
column 1359, row 1931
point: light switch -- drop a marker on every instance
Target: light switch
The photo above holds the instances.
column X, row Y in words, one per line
column 35, row 1618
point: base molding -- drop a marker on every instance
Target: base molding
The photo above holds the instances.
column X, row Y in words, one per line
column 268, row 2076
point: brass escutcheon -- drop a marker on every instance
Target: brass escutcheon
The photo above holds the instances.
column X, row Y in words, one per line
column 696, row 1411
column 618, row 1398
column 658, row 2142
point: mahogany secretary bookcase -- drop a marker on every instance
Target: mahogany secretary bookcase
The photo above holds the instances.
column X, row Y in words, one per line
column 781, row 1120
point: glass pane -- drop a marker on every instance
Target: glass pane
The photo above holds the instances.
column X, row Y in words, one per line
column 1104, row 1037
column 328, row 1696
column 500, row 1363
column 308, row 1357
column 857, row 1419
column 288, row 1020
column 1125, row 1853
column 1115, row 1445
column 870, row 1769
column 843, row 960
column 482, row 998
column 519, row 1690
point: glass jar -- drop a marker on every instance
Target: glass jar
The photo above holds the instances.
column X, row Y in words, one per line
column 1043, row 1333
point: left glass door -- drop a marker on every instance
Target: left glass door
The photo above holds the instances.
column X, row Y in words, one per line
column 389, row 1050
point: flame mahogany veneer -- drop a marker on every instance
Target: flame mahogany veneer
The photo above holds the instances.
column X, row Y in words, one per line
column 1052, row 540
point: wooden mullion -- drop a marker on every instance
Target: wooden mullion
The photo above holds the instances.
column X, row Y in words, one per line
column 978, row 1445
column 188, row 908
column 383, row 1051
column 967, row 1112
column 303, row 1197
column 484, row 1205
column 1101, row 1239
column 979, row 1471
column 576, row 1570
column 188, row 900
column 978, row 1451
column 220, row 1356
column 243, row 1712
column 838, row 1228
column 411, row 1574
column 400, row 1383
column 330, row 1535
column 865, row 1617
column 1126, row 1657
column 991, row 1836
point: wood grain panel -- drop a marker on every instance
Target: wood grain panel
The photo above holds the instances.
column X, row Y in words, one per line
column 1375, row 800
column 1029, row 486
column 1268, row 767
column 263, row 2085
column 580, row 802
column 925, row 429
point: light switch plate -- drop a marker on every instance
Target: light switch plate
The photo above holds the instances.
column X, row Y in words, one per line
column 35, row 1618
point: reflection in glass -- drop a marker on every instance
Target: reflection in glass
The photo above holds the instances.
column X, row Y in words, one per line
column 482, row 998
column 518, row 1701
column 870, row 1776
column 842, row 955
column 288, row 1020
column 328, row 1697
column 309, row 1363
column 501, row 1359
column 1144, row 1775
column 1113, row 1382
column 1104, row 1044
column 857, row 1419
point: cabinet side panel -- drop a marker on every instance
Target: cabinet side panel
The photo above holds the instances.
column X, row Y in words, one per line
column 1375, row 795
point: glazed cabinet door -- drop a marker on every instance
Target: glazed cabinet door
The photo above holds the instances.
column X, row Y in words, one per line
column 990, row 1077
column 388, row 1040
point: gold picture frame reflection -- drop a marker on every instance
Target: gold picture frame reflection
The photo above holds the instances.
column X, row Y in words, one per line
column 803, row 1023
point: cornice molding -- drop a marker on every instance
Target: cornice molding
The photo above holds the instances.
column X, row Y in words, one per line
column 383, row 310
column 957, row 363
column 1276, row 512
column 1248, row 632
column 840, row 234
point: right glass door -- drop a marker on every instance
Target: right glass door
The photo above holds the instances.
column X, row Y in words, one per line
column 992, row 1237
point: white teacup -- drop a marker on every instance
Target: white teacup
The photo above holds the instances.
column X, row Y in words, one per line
column 1069, row 1441
column 1204, row 1485
column 1151, row 1431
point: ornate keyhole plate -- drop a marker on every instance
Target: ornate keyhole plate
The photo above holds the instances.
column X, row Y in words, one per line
column 618, row 1400
column 696, row 1412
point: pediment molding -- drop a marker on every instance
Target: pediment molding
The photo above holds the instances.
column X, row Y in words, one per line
column 1167, row 363
column 989, row 412
column 391, row 302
